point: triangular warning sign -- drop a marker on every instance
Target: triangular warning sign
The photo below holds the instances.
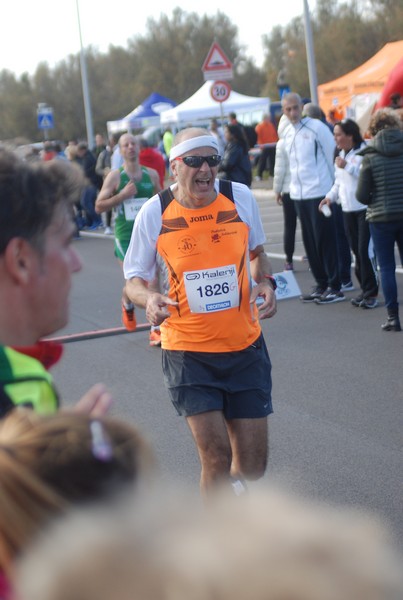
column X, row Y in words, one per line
column 216, row 60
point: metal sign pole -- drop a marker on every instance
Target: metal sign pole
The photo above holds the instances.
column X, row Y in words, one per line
column 86, row 91
column 310, row 54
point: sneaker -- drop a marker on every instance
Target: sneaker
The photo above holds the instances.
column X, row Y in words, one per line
column 94, row 226
column 108, row 231
column 129, row 318
column 257, row 178
column 330, row 297
column 369, row 303
column 155, row 337
column 357, row 301
column 347, row 287
column 288, row 266
column 315, row 295
column 238, row 486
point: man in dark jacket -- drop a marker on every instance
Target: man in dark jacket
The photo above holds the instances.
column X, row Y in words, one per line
column 87, row 161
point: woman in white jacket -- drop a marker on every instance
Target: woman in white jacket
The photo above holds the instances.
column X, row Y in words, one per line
column 347, row 166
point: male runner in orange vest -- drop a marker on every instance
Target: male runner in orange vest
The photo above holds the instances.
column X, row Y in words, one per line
column 206, row 237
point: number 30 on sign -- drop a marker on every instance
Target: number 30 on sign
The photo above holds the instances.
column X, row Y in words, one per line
column 220, row 91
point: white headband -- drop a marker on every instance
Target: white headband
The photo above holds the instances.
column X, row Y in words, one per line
column 191, row 144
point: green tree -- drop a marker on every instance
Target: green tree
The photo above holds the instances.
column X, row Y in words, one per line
column 275, row 61
column 113, row 81
column 248, row 79
column 168, row 59
column 17, row 110
column 67, row 100
column 173, row 51
column 341, row 41
column 344, row 36
column 387, row 16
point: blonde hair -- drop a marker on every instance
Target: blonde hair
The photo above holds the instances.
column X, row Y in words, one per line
column 50, row 463
column 268, row 547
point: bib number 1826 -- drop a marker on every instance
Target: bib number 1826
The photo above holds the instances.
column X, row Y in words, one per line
column 217, row 289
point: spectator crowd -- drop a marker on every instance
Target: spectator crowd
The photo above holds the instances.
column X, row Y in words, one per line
column 83, row 512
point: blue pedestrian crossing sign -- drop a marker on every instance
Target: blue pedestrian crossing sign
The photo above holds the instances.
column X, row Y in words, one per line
column 45, row 118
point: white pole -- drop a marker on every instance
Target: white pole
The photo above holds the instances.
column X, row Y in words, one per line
column 310, row 54
column 86, row 91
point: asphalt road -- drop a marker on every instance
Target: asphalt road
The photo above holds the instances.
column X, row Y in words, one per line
column 336, row 433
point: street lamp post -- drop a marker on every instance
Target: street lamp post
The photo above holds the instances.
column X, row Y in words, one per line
column 310, row 54
column 86, row 91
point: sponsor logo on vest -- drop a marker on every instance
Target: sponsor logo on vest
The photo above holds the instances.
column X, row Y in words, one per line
column 186, row 244
column 192, row 276
column 203, row 218
column 218, row 273
column 218, row 305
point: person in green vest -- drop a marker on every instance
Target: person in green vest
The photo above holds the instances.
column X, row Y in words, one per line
column 124, row 191
column 37, row 260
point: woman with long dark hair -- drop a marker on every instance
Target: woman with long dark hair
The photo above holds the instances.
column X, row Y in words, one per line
column 347, row 162
column 235, row 165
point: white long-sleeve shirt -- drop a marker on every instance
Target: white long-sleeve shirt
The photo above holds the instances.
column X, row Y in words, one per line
column 346, row 180
column 282, row 174
column 310, row 148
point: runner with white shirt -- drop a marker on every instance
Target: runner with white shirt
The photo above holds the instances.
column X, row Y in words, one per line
column 206, row 238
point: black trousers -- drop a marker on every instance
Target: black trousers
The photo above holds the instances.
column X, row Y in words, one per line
column 266, row 161
column 358, row 234
column 320, row 241
column 343, row 245
column 290, row 226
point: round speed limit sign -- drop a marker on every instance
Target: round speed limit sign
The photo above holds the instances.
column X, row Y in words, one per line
column 220, row 91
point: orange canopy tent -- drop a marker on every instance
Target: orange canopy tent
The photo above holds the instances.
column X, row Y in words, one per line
column 369, row 78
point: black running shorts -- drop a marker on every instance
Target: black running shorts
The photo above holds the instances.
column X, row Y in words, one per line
column 236, row 383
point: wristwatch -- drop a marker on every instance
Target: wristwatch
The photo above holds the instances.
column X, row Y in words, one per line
column 272, row 281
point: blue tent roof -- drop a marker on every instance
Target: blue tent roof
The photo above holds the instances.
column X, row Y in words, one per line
column 152, row 106
column 144, row 115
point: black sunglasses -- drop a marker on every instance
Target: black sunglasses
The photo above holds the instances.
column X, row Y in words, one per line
column 196, row 161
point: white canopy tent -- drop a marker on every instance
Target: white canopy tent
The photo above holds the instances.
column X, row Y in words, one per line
column 202, row 107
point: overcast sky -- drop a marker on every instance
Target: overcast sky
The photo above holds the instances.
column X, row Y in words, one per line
column 34, row 31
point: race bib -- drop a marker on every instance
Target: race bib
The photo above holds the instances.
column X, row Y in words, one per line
column 131, row 206
column 211, row 290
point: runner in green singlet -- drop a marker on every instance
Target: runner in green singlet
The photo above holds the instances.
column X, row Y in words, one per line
column 125, row 190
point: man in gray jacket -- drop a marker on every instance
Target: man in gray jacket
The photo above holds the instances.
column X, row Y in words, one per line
column 310, row 148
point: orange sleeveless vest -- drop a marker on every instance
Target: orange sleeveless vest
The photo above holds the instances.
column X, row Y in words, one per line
column 205, row 252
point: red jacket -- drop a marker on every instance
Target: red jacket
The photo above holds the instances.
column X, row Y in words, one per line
column 149, row 157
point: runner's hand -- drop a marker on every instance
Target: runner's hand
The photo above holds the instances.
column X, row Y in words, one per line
column 96, row 402
column 264, row 290
column 157, row 308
